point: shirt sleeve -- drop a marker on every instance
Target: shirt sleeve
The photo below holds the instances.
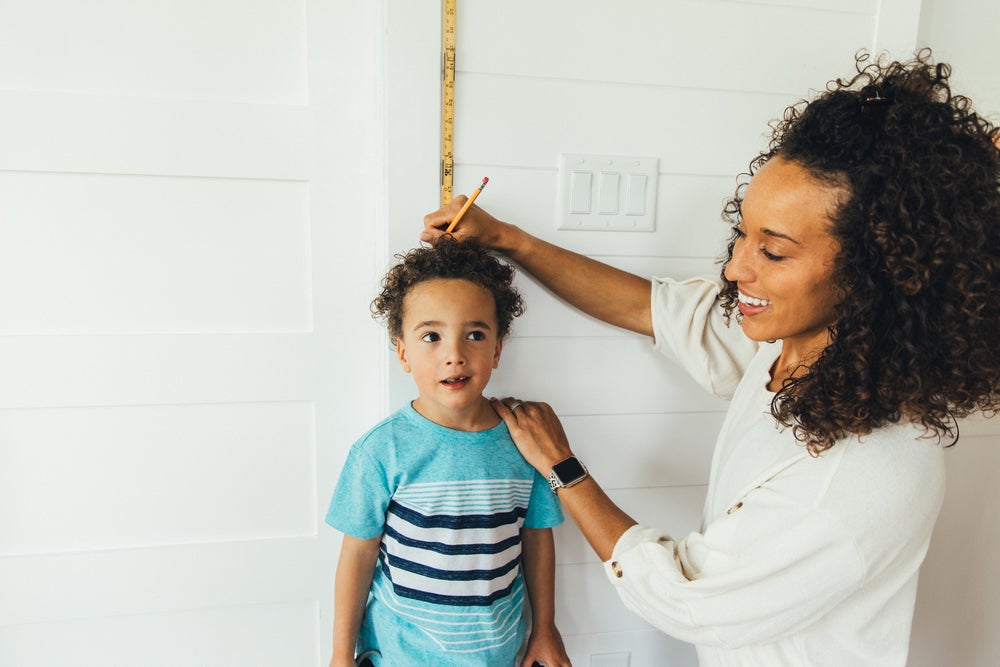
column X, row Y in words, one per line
column 544, row 510
column 754, row 576
column 688, row 327
column 361, row 497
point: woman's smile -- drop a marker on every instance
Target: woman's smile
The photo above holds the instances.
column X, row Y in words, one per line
column 750, row 305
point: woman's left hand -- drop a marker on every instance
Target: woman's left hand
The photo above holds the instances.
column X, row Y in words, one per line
column 536, row 430
column 540, row 438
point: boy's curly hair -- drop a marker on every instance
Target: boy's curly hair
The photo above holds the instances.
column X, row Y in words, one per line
column 919, row 230
column 449, row 258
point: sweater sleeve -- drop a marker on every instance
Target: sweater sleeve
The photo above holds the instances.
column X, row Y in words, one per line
column 688, row 327
column 754, row 576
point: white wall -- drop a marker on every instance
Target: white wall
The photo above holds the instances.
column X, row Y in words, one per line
column 962, row 33
column 694, row 84
column 958, row 605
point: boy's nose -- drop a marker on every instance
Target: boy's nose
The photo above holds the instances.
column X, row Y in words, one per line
column 455, row 356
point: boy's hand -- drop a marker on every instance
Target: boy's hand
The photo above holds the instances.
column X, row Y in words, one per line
column 545, row 646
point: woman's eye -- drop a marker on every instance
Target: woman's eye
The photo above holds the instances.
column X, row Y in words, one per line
column 430, row 337
column 739, row 235
column 476, row 335
column 771, row 256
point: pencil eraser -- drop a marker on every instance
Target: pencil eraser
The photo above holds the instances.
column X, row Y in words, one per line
column 486, row 179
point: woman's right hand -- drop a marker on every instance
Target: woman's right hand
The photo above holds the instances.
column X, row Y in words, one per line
column 476, row 224
column 600, row 290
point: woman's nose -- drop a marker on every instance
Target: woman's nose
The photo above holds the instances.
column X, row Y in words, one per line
column 738, row 269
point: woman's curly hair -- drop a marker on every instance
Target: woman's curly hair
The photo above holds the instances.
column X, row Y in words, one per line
column 919, row 229
column 449, row 258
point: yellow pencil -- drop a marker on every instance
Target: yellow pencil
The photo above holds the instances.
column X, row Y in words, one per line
column 468, row 203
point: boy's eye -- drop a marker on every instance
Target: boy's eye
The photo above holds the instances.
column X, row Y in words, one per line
column 430, row 337
column 476, row 335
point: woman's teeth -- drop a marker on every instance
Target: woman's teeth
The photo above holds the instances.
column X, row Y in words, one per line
column 752, row 301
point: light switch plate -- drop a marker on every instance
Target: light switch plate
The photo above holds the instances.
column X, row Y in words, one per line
column 613, row 193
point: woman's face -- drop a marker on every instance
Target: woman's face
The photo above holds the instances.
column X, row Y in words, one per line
column 783, row 260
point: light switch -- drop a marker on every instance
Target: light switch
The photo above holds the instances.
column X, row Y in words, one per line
column 608, row 199
column 636, row 195
column 611, row 193
column 580, row 186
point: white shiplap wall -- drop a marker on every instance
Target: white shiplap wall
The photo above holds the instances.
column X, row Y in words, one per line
column 958, row 604
column 694, row 84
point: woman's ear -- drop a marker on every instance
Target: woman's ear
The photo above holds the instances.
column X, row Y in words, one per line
column 401, row 353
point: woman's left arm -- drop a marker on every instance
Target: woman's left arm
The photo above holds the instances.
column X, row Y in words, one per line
column 539, row 436
column 752, row 577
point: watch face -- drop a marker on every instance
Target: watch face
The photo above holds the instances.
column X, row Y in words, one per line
column 569, row 470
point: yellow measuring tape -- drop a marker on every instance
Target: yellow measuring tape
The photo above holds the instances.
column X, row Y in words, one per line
column 447, row 99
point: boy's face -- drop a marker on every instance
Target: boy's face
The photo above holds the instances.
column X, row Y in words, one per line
column 449, row 343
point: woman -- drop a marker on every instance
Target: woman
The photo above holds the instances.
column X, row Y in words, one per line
column 854, row 322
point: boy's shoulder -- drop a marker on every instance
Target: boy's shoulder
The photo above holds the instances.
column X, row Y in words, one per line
column 409, row 427
column 401, row 423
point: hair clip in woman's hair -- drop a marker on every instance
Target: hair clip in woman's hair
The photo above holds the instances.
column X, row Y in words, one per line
column 873, row 105
column 874, row 98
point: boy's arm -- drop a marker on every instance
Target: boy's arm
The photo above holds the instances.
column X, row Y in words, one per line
column 355, row 568
column 538, row 561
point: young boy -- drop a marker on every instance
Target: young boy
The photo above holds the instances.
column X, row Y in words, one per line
column 447, row 530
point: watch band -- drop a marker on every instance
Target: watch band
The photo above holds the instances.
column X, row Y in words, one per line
column 566, row 473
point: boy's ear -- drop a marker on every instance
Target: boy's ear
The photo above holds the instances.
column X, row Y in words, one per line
column 496, row 352
column 401, row 353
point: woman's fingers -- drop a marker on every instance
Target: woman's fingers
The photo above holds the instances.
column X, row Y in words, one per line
column 435, row 223
column 535, row 429
column 476, row 224
column 502, row 407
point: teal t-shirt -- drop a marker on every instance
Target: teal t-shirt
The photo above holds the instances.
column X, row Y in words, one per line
column 449, row 506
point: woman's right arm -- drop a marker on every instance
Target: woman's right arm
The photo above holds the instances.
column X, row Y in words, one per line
column 355, row 568
column 609, row 294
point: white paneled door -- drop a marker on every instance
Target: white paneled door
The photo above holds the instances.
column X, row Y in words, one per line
column 185, row 347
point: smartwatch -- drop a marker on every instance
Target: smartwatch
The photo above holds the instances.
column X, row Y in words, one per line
column 566, row 473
